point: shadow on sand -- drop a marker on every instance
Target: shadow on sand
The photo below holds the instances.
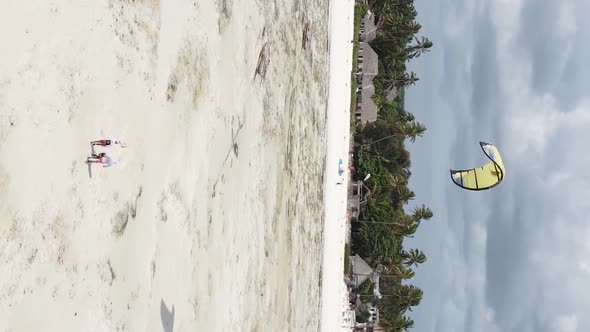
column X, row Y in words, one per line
column 167, row 317
column 90, row 164
column 89, row 169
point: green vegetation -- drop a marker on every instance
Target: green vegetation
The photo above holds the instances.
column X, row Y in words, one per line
column 346, row 258
column 363, row 316
column 380, row 151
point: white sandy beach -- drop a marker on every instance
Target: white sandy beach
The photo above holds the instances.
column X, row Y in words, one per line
column 211, row 220
column 335, row 196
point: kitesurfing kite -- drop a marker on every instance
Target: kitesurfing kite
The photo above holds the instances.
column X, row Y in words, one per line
column 484, row 177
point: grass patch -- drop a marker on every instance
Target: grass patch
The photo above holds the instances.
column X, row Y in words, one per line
column 347, row 259
column 359, row 12
column 353, row 86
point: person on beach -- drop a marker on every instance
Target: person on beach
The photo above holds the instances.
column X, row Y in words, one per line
column 108, row 142
column 101, row 158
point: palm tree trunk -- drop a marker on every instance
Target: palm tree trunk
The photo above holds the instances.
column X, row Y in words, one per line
column 382, row 138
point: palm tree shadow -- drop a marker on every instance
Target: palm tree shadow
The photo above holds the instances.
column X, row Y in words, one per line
column 167, row 317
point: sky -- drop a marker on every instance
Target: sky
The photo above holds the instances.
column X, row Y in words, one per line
column 513, row 73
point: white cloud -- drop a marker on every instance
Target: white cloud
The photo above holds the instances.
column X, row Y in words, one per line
column 535, row 124
column 506, row 15
column 544, row 207
column 566, row 323
column 533, row 118
column 557, row 178
column 584, row 267
column 566, row 20
column 490, row 315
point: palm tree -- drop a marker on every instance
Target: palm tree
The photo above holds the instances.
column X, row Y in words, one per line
column 413, row 129
column 390, row 21
column 405, row 172
column 421, row 213
column 404, row 80
column 412, row 79
column 402, row 273
column 388, row 111
column 408, row 117
column 395, row 181
column 381, row 139
column 404, row 195
column 413, row 257
column 407, row 80
column 406, row 227
column 402, row 323
column 379, row 100
column 412, row 27
column 415, row 296
column 422, row 46
column 407, row 296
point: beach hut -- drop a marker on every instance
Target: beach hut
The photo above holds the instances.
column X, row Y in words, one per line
column 368, row 28
column 366, row 110
column 357, row 199
column 361, row 271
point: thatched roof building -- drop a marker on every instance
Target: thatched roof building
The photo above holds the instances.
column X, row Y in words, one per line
column 361, row 271
column 368, row 68
column 368, row 29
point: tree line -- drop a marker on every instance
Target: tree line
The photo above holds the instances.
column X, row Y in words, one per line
column 380, row 151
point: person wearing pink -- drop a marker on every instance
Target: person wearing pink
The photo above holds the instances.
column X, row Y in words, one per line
column 101, row 158
column 108, row 142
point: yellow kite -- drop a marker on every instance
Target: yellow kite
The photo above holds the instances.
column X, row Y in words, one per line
column 485, row 177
